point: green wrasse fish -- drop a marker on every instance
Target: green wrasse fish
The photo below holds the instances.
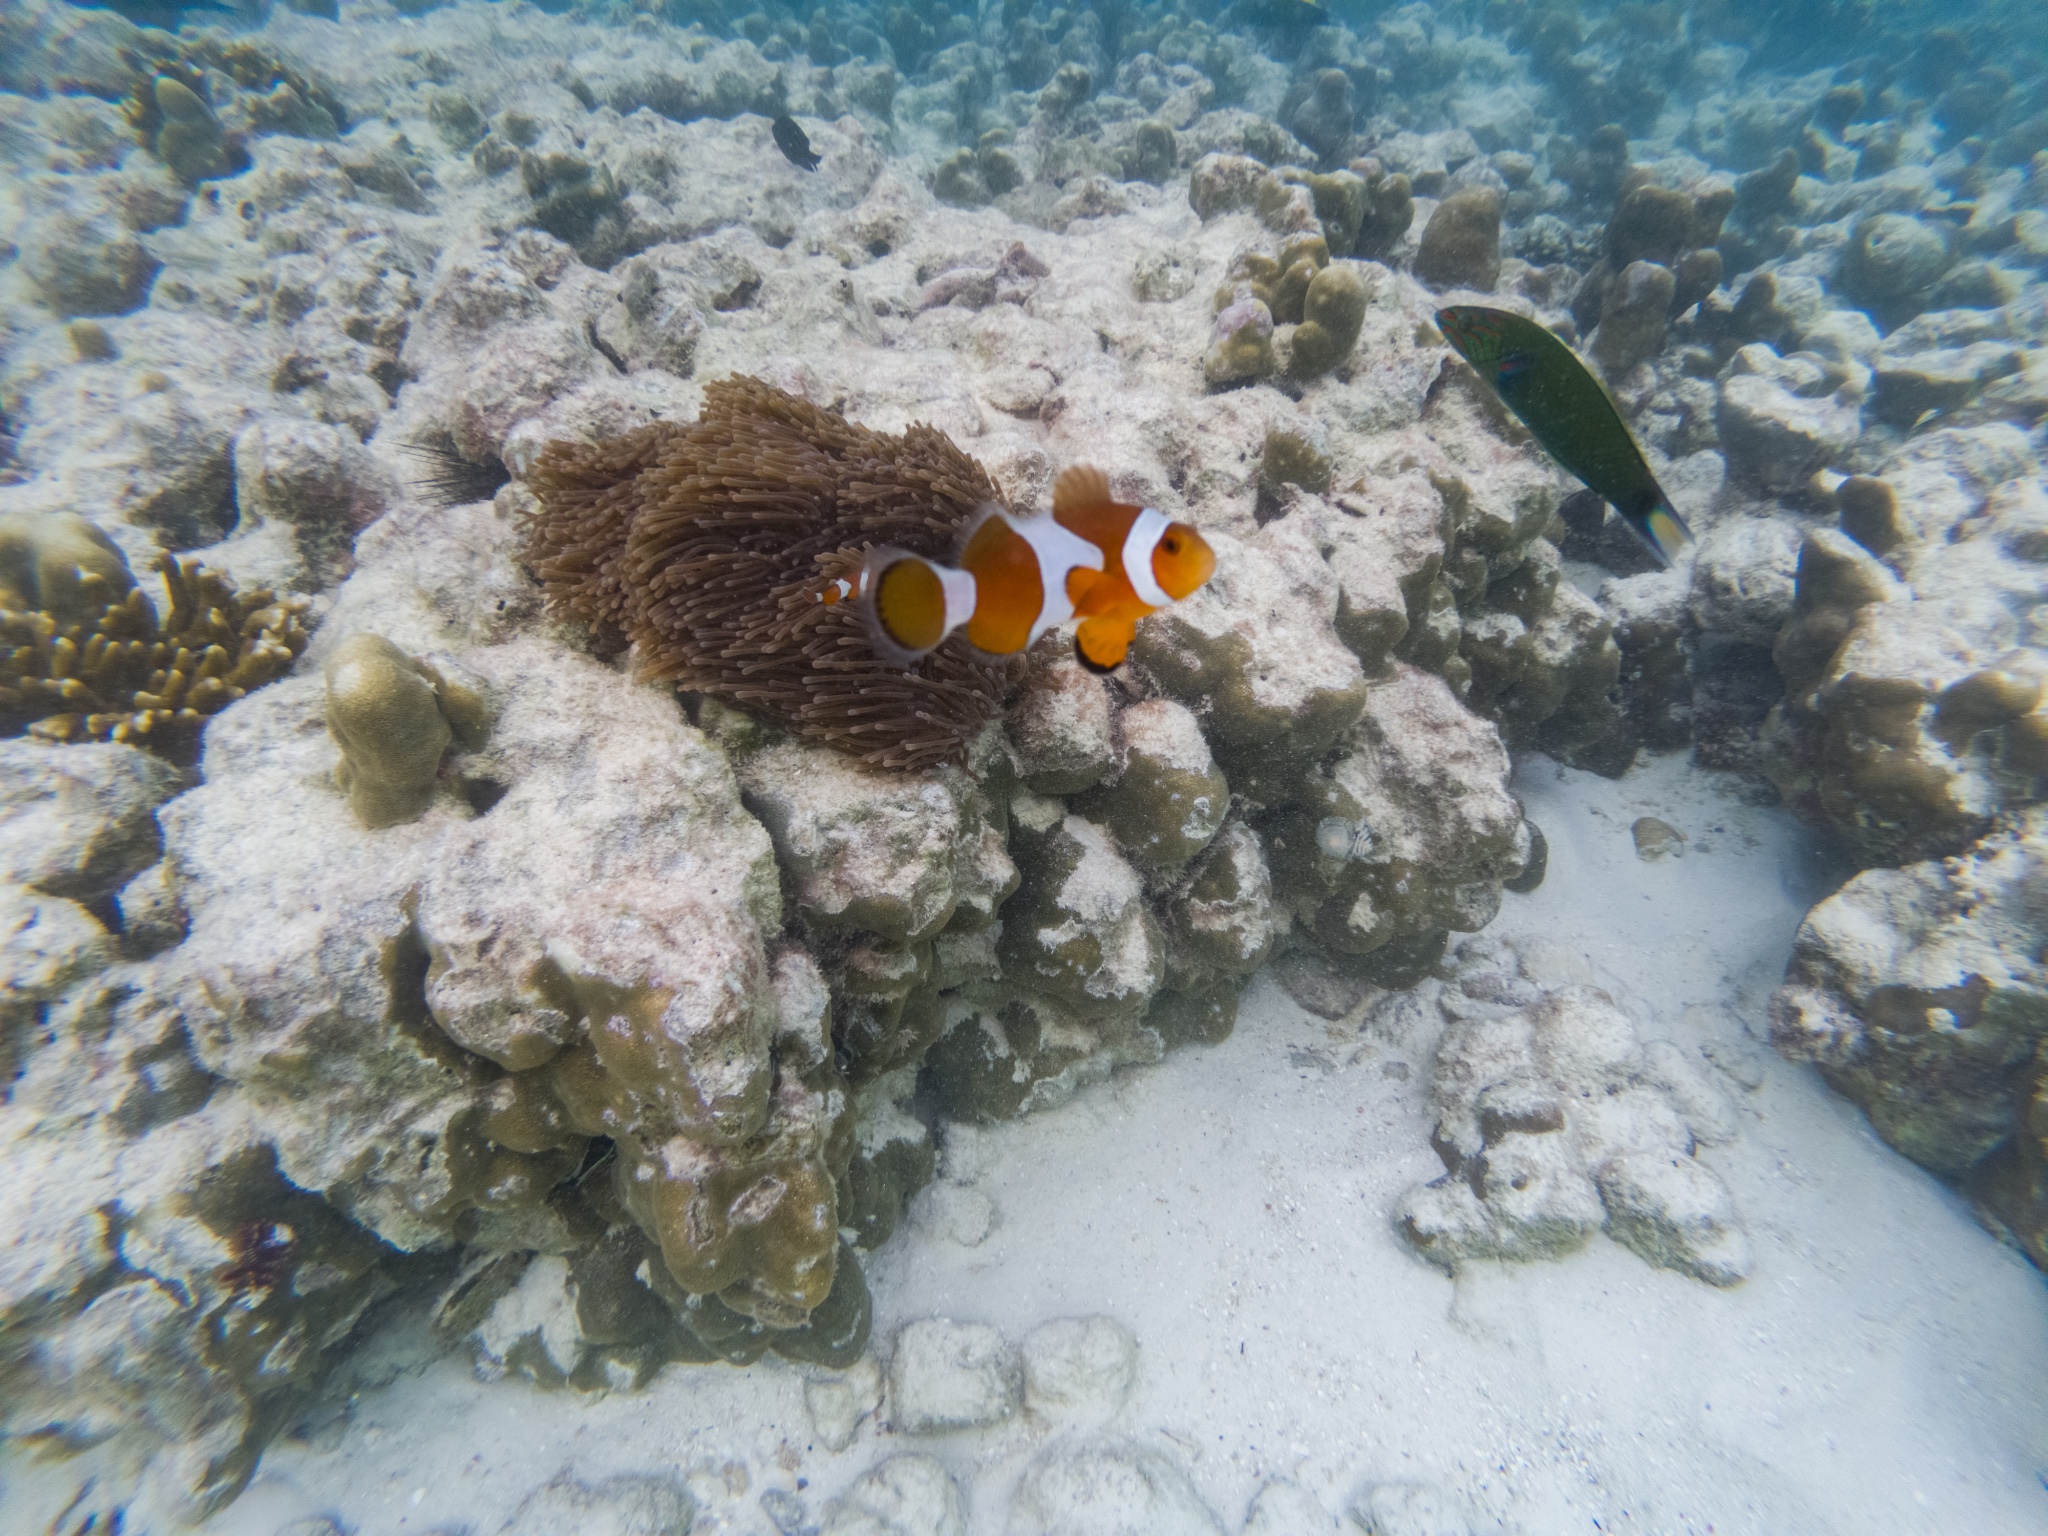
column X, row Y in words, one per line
column 1571, row 414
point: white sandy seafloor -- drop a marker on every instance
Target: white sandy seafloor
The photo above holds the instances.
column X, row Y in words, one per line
column 1880, row 1371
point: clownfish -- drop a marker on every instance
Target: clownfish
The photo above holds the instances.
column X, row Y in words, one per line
column 1107, row 563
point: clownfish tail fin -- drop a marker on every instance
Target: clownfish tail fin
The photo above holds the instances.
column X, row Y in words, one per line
column 911, row 603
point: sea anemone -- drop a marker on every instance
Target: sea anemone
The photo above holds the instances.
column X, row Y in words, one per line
column 711, row 548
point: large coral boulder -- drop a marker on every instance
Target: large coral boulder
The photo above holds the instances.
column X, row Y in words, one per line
column 1920, row 994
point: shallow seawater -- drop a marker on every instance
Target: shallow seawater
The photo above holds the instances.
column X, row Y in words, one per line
column 543, row 993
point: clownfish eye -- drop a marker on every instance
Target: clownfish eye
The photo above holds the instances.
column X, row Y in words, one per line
column 1181, row 561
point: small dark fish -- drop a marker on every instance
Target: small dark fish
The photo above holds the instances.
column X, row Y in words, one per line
column 791, row 141
column 1573, row 417
column 1281, row 15
column 263, row 1252
column 598, row 1152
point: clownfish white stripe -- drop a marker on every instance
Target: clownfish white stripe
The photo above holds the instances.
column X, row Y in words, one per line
column 1139, row 543
column 959, row 587
column 1059, row 551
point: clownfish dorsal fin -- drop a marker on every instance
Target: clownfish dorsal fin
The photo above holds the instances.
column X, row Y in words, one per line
column 1079, row 486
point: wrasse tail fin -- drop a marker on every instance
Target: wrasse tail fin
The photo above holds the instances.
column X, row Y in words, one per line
column 1657, row 523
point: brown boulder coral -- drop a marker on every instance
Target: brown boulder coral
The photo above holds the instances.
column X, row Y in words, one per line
column 707, row 547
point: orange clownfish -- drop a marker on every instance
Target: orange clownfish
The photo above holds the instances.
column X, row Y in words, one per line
column 1105, row 562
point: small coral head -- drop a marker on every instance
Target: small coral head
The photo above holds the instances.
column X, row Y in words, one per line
column 1182, row 561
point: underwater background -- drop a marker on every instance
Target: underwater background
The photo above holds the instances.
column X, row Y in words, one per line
column 514, row 1020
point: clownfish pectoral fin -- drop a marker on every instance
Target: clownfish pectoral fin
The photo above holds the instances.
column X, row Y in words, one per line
column 1080, row 582
column 1099, row 668
column 1079, row 486
column 1100, row 645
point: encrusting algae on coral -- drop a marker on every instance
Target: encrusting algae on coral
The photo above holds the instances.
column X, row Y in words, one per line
column 91, row 661
column 708, row 547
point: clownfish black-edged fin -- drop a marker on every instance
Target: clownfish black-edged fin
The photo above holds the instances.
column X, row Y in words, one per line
column 1101, row 645
column 1079, row 485
column 1100, row 669
column 896, row 593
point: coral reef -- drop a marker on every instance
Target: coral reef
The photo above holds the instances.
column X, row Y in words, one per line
column 1918, row 992
column 658, row 1036
column 1909, row 682
column 1660, row 261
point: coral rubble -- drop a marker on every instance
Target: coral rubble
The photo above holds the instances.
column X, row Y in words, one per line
column 1553, row 1121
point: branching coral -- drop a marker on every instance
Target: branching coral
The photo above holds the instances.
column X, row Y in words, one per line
column 100, row 666
column 708, row 547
